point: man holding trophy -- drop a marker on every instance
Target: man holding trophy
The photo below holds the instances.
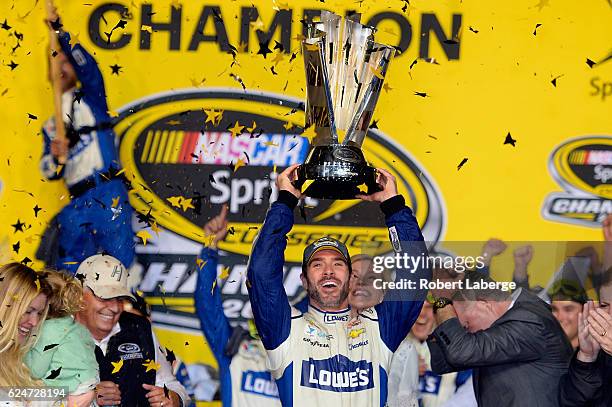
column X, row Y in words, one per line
column 318, row 358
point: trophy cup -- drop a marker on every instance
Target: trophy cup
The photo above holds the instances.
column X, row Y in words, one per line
column 345, row 70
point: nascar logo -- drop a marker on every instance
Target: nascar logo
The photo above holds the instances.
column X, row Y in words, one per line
column 338, row 374
column 583, row 167
column 260, row 383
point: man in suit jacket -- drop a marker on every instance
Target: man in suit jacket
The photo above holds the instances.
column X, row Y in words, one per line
column 516, row 347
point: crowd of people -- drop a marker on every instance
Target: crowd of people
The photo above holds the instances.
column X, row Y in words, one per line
column 346, row 343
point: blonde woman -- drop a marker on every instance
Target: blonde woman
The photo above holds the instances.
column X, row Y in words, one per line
column 23, row 306
column 64, row 355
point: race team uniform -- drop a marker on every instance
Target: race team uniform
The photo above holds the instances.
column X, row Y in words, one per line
column 315, row 357
column 245, row 377
column 88, row 224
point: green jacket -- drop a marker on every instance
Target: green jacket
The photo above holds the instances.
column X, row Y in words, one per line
column 69, row 347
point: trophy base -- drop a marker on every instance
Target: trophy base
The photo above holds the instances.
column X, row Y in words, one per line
column 336, row 172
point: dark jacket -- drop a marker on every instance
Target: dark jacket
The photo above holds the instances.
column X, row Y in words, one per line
column 134, row 345
column 518, row 361
column 587, row 384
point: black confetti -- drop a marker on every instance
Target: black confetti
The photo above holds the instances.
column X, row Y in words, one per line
column 13, row 65
column 170, row 356
column 413, row 63
column 5, row 25
column 32, row 117
column 26, row 260
column 16, row 247
column 115, row 69
column 56, row 25
column 49, row 347
column 374, row 124
column 54, row 374
column 279, row 46
column 510, row 140
column 461, row 163
column 421, row 94
column 535, row 30
column 36, row 210
column 120, row 24
column 473, row 30
column 264, row 48
column 590, row 63
column 18, row 226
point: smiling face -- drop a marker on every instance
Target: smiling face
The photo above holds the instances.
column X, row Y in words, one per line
column 32, row 317
column 326, row 280
column 566, row 313
column 362, row 293
column 99, row 315
column 68, row 77
column 423, row 326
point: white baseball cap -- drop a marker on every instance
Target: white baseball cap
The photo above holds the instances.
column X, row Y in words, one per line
column 105, row 276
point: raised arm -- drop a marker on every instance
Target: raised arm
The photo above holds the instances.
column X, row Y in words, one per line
column 269, row 301
column 396, row 315
column 207, row 296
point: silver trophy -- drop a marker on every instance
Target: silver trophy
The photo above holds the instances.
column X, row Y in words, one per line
column 345, row 70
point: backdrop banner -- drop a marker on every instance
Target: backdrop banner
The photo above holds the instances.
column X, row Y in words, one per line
column 494, row 118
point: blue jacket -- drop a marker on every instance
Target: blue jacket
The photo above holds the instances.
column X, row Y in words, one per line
column 245, row 378
column 96, row 151
column 299, row 344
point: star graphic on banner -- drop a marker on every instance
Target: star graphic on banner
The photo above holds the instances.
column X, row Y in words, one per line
column 237, row 129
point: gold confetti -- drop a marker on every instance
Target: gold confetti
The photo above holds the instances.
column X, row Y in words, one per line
column 270, row 144
column 115, row 202
column 354, row 333
column 155, row 228
column 237, row 129
column 186, row 204
column 363, row 188
column 312, row 47
column 117, row 366
column 146, row 28
column 144, row 235
column 239, row 163
column 377, row 72
column 175, row 201
column 201, row 263
column 151, row 365
column 257, row 24
column 224, row 273
column 252, row 128
column 288, row 125
column 306, row 184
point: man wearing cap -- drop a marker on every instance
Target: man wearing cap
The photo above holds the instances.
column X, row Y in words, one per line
column 134, row 370
column 317, row 357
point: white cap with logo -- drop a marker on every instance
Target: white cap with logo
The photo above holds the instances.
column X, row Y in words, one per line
column 105, row 276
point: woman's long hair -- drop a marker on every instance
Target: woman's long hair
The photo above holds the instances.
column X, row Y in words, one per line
column 19, row 285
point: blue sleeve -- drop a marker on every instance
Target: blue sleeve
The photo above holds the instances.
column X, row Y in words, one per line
column 269, row 302
column 48, row 165
column 396, row 316
column 86, row 68
column 209, row 307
